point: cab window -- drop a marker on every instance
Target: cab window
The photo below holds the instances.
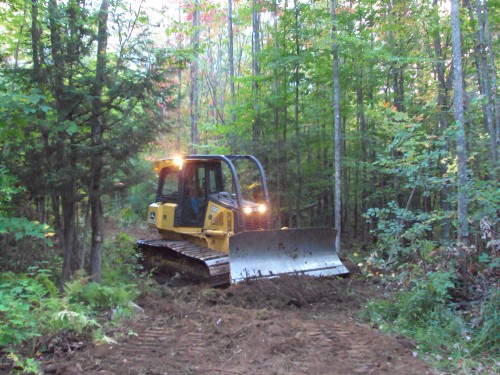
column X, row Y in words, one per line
column 168, row 188
column 215, row 184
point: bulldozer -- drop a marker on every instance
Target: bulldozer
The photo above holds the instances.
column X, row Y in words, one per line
column 212, row 213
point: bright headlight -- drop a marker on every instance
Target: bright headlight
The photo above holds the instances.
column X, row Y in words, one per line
column 178, row 161
column 262, row 208
column 247, row 210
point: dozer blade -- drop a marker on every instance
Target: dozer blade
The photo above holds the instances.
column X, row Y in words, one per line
column 270, row 253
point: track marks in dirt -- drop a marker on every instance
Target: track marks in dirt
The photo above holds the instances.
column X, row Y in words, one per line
column 282, row 345
column 253, row 329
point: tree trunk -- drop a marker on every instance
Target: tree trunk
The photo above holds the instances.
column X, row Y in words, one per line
column 276, row 108
column 194, row 94
column 97, row 162
column 444, row 109
column 336, row 121
column 256, row 72
column 493, row 74
column 35, row 42
column 286, row 174
column 481, row 59
column 231, row 58
column 298, row 199
column 458, row 103
column 65, row 162
column 177, row 146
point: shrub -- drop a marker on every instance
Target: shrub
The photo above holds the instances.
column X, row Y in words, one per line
column 19, row 297
column 100, row 296
column 122, row 261
column 488, row 331
column 421, row 313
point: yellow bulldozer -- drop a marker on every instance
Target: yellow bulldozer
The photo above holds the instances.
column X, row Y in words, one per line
column 213, row 216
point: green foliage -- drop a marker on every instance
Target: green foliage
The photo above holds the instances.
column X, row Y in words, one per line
column 59, row 315
column 98, row 295
column 27, row 365
column 441, row 334
column 18, row 297
column 24, row 302
column 421, row 313
column 121, row 260
column 402, row 232
column 133, row 192
column 21, row 227
column 31, row 308
column 484, row 198
column 490, row 262
column 18, row 226
column 139, row 197
column 487, row 337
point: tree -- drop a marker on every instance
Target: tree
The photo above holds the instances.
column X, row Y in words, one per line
column 194, row 93
column 336, row 116
column 443, row 103
column 82, row 124
column 297, row 73
column 486, row 78
column 97, row 162
column 231, row 58
column 257, row 121
column 458, row 107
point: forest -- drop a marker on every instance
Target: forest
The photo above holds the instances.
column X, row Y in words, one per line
column 378, row 118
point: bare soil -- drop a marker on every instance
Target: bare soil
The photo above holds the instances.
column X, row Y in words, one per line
column 291, row 325
column 288, row 325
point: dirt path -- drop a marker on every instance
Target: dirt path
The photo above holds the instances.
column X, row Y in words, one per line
column 283, row 326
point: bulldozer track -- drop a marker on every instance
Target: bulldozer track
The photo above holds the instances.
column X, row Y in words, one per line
column 190, row 259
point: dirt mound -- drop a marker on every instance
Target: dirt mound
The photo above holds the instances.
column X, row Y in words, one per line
column 292, row 325
column 279, row 293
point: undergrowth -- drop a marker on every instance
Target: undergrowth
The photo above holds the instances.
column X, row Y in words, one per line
column 454, row 323
column 450, row 339
column 33, row 310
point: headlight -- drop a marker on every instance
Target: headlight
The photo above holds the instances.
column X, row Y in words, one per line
column 178, row 161
column 250, row 209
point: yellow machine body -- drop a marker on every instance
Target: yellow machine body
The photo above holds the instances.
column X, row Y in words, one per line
column 212, row 214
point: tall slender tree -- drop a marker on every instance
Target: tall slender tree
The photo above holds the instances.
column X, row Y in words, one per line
column 493, row 73
column 97, row 162
column 64, row 196
column 483, row 74
column 336, row 124
column 230, row 55
column 298, row 152
column 194, row 92
column 443, row 102
column 458, row 107
column 256, row 70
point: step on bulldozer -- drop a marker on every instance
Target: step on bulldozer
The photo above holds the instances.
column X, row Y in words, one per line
column 212, row 213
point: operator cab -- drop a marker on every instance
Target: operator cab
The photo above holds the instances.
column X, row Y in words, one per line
column 231, row 182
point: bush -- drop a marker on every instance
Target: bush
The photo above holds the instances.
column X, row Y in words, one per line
column 18, row 298
column 121, row 261
column 421, row 313
column 100, row 296
column 30, row 307
column 487, row 339
column 425, row 314
column 32, row 310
